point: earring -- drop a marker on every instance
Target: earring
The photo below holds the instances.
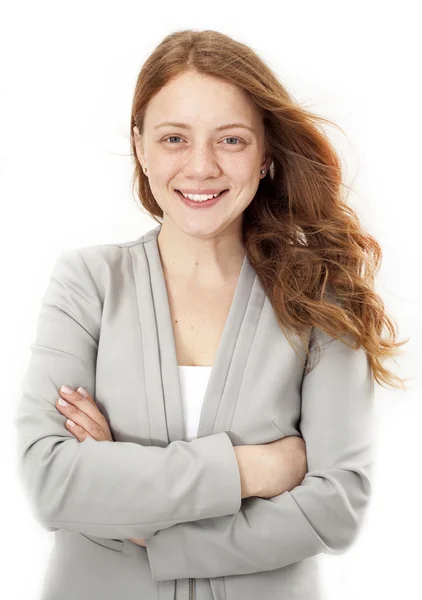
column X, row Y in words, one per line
column 145, row 169
column 263, row 171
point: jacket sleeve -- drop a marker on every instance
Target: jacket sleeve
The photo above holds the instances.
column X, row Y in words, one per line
column 105, row 489
column 322, row 514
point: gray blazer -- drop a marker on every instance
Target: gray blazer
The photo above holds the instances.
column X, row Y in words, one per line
column 105, row 324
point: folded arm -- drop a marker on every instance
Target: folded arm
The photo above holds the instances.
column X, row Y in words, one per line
column 322, row 514
column 106, row 489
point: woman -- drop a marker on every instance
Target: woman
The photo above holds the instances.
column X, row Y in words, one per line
column 222, row 434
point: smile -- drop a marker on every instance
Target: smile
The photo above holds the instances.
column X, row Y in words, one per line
column 200, row 203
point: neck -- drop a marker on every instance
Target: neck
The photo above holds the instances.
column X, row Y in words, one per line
column 214, row 259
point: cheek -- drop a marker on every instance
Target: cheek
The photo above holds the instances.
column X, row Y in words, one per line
column 242, row 169
column 161, row 184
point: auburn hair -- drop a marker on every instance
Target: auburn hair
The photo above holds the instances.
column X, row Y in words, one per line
column 303, row 240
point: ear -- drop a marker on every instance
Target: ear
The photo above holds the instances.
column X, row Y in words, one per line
column 139, row 145
column 267, row 163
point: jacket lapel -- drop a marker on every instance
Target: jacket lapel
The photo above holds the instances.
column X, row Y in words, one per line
column 159, row 348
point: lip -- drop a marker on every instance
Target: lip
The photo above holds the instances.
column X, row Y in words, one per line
column 205, row 191
column 200, row 205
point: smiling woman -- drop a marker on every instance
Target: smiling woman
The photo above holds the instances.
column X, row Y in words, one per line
column 216, row 144
column 182, row 482
column 281, row 172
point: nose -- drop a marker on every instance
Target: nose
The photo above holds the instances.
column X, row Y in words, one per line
column 202, row 163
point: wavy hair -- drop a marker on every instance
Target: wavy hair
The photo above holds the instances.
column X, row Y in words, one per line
column 304, row 242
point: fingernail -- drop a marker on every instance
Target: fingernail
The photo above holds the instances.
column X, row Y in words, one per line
column 82, row 391
column 63, row 402
column 70, row 422
column 66, row 389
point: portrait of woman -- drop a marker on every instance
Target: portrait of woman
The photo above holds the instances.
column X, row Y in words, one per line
column 197, row 415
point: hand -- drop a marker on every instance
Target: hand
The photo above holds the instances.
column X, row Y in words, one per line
column 268, row 470
column 285, row 465
column 85, row 415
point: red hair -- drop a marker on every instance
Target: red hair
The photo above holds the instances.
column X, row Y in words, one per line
column 304, row 242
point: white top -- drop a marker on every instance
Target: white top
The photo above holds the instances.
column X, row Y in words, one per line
column 193, row 384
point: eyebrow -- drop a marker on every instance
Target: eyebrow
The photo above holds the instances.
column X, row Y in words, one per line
column 186, row 126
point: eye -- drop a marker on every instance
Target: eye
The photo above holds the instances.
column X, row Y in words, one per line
column 233, row 138
column 172, row 137
column 179, row 138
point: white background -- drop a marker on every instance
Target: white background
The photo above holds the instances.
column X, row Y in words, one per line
column 68, row 72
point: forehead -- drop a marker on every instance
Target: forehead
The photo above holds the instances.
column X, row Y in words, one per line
column 201, row 100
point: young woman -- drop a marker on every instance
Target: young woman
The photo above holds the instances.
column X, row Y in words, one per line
column 217, row 431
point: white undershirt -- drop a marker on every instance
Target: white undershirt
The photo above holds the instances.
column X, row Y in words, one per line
column 193, row 384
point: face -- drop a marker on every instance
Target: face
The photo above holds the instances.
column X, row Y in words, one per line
column 201, row 155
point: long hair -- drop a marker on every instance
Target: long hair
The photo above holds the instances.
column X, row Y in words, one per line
column 304, row 242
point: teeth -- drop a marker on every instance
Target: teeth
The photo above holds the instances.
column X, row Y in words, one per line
column 200, row 197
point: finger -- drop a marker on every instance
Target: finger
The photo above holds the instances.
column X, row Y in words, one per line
column 84, row 405
column 96, row 431
column 76, row 430
column 82, row 391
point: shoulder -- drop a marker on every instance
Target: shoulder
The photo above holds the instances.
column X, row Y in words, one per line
column 101, row 257
column 113, row 251
column 98, row 266
column 106, row 252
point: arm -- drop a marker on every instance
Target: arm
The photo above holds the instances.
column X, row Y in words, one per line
column 323, row 514
column 106, row 489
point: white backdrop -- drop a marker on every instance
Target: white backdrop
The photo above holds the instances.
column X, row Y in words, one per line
column 68, row 72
